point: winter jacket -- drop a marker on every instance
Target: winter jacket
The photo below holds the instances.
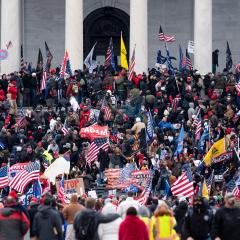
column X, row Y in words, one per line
column 133, row 228
column 47, row 224
column 32, row 212
column 13, row 224
column 13, row 91
column 125, row 205
column 226, row 224
column 109, row 231
column 96, row 218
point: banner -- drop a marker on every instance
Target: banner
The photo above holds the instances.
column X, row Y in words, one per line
column 74, row 185
column 223, row 157
column 139, row 178
column 94, row 131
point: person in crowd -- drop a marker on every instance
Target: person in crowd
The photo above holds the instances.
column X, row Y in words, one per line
column 69, row 213
column 226, row 220
column 125, row 205
column 163, row 224
column 109, row 231
column 86, row 222
column 14, row 224
column 200, row 215
column 32, row 212
column 47, row 223
column 132, row 227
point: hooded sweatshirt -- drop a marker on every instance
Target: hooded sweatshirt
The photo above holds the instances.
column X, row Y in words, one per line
column 47, row 224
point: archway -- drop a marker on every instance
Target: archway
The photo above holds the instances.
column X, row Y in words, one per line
column 102, row 24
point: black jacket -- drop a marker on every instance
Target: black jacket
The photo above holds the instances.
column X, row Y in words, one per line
column 47, row 224
column 197, row 224
column 226, row 224
column 96, row 219
column 32, row 212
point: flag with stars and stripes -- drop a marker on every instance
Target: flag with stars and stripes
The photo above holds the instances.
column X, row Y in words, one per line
column 66, row 66
column 44, row 80
column 95, row 146
column 109, row 59
column 132, row 65
column 4, row 180
column 188, row 61
column 197, row 125
column 107, row 113
column 64, row 128
column 182, row 187
column 164, row 37
column 209, row 182
column 175, row 102
column 143, row 197
column 24, row 177
column 22, row 63
column 149, row 129
column 126, row 173
column 61, row 192
column 237, row 86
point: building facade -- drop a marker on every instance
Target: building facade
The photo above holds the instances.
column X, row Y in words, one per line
column 76, row 25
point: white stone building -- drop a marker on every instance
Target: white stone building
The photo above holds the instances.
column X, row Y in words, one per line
column 75, row 25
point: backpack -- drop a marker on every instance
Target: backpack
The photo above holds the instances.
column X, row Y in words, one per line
column 85, row 225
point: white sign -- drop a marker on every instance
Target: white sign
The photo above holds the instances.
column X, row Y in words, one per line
column 191, row 47
column 92, row 194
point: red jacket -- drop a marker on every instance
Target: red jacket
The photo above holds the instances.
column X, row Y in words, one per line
column 2, row 95
column 14, row 224
column 133, row 228
column 13, row 91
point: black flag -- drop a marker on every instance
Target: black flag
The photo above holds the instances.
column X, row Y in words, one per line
column 39, row 67
column 49, row 58
column 229, row 61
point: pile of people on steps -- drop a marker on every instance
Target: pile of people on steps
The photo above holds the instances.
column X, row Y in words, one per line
column 202, row 105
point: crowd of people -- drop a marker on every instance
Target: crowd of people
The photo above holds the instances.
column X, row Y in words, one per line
column 183, row 100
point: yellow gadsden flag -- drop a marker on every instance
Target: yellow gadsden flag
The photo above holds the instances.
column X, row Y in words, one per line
column 205, row 192
column 123, row 57
column 216, row 150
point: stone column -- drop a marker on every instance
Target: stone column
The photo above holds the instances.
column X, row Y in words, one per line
column 139, row 34
column 11, row 31
column 203, row 35
column 74, row 32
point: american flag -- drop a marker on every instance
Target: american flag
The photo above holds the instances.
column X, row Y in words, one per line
column 49, row 58
column 132, row 65
column 64, row 128
column 236, row 192
column 109, row 54
column 188, row 61
column 142, row 199
column 61, row 192
column 114, row 136
column 237, row 86
column 66, row 66
column 175, row 102
column 21, row 123
column 22, row 64
column 106, row 111
column 95, row 146
column 44, row 80
column 197, row 124
column 4, row 181
column 209, row 182
column 126, row 173
column 24, row 177
column 165, row 38
column 183, row 186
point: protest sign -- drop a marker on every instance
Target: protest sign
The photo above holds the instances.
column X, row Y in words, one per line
column 74, row 185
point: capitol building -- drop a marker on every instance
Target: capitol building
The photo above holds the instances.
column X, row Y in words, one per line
column 75, row 25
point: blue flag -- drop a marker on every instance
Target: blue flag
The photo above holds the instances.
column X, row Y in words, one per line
column 204, row 137
column 180, row 142
column 149, row 129
column 37, row 189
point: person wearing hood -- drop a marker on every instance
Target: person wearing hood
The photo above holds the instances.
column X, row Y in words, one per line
column 109, row 231
column 32, row 212
column 14, row 224
column 47, row 223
